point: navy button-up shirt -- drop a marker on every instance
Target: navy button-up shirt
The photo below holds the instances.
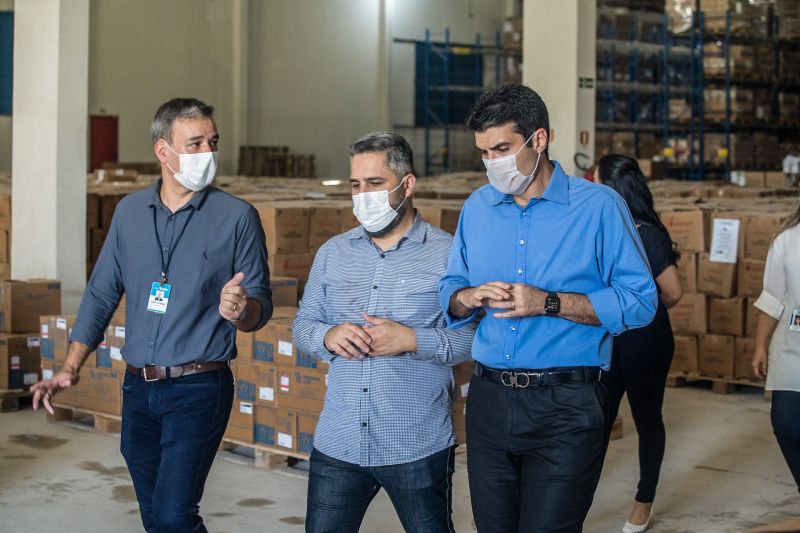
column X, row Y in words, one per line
column 578, row 237
column 383, row 410
column 223, row 237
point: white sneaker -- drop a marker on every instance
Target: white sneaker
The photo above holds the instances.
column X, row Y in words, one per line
column 637, row 528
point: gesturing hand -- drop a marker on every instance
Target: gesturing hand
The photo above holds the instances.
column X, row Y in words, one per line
column 233, row 299
column 47, row 388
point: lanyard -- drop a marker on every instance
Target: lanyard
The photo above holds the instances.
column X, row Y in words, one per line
column 165, row 264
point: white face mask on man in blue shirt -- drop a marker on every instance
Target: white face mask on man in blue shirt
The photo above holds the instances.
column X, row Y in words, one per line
column 197, row 171
column 504, row 175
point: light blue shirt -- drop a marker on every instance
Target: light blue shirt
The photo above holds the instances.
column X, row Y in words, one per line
column 578, row 237
column 383, row 410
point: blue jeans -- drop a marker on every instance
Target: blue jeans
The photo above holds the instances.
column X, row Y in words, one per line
column 785, row 407
column 421, row 491
column 171, row 430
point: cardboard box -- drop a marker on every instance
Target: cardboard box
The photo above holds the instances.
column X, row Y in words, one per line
column 733, row 215
column 716, row 355
column 726, row 316
column 751, row 317
column 285, row 227
column 284, row 312
column 20, row 364
column 458, row 412
column 301, row 389
column 689, row 314
column 751, row 277
column 324, row 222
column 306, row 427
column 349, row 220
column 109, row 352
column 286, row 429
column 442, row 216
column 687, row 271
column 68, row 397
column 286, row 355
column 263, row 348
column 240, row 423
column 244, row 346
column 291, row 265
column 774, row 179
column 54, row 333
column 23, row 302
column 685, row 358
column 462, row 374
column 758, row 235
column 100, row 390
column 256, row 382
column 744, row 347
column 284, row 291
column 264, row 427
column 716, row 279
column 687, row 227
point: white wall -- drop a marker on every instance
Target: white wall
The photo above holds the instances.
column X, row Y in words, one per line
column 144, row 52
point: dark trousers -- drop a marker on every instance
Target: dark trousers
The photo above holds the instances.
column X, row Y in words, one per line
column 785, row 424
column 421, row 491
column 642, row 374
column 171, row 430
column 534, row 455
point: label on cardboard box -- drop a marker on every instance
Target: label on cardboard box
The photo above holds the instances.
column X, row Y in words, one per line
column 115, row 353
column 33, row 342
column 246, row 408
column 464, row 389
column 284, row 440
column 15, row 360
column 119, row 331
column 725, row 240
column 285, row 348
column 285, row 382
column 266, row 393
column 44, row 330
column 47, row 373
column 61, row 323
column 30, row 378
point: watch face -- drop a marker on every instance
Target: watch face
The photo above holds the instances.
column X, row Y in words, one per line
column 552, row 304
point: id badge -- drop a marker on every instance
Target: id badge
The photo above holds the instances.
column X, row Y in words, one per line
column 794, row 325
column 159, row 297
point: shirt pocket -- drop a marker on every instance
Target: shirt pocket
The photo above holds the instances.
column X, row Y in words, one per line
column 413, row 302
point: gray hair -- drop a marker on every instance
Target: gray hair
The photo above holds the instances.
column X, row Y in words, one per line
column 399, row 156
column 176, row 108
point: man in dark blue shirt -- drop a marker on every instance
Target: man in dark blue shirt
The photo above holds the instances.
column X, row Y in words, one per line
column 556, row 264
column 192, row 261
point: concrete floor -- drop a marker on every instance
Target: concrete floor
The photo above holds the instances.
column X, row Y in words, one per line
column 723, row 472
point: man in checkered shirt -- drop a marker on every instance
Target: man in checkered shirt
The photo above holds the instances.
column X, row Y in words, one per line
column 371, row 309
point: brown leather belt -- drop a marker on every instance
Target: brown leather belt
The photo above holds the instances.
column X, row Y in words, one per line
column 154, row 373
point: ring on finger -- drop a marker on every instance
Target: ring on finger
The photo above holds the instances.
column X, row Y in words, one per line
column 235, row 306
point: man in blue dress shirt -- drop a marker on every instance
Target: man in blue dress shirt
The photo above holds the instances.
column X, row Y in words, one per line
column 370, row 308
column 192, row 262
column 557, row 266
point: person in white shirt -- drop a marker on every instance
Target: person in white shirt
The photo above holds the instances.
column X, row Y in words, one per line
column 779, row 360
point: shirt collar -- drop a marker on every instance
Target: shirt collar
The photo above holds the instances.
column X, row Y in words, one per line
column 197, row 200
column 557, row 190
column 417, row 232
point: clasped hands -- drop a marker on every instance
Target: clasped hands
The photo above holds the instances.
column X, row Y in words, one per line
column 378, row 337
column 517, row 299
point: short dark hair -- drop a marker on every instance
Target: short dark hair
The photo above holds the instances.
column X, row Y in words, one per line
column 161, row 128
column 399, row 156
column 510, row 103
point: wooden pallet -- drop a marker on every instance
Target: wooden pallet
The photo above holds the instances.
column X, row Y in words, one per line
column 101, row 422
column 719, row 385
column 263, row 456
column 10, row 399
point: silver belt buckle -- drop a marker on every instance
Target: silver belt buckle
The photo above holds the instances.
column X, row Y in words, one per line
column 512, row 379
column 145, row 374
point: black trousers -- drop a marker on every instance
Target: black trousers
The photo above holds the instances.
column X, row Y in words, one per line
column 641, row 372
column 534, row 455
column 785, row 407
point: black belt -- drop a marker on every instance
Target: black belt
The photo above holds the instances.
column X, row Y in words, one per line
column 524, row 378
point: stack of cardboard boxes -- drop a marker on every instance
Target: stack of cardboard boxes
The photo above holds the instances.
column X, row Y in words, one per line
column 21, row 303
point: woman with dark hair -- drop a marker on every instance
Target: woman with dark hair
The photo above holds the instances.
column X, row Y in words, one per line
column 641, row 357
column 779, row 306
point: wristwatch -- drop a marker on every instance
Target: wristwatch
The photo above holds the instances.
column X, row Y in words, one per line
column 552, row 303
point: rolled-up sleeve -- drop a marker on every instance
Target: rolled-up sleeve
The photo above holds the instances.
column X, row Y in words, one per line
column 103, row 292
column 773, row 295
column 443, row 345
column 310, row 327
column 250, row 258
column 456, row 278
column 631, row 298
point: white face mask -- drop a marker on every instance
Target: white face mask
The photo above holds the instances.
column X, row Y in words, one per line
column 197, row 170
column 504, row 175
column 373, row 210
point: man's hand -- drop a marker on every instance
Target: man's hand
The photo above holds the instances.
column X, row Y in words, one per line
column 389, row 337
column 464, row 301
column 233, row 299
column 526, row 300
column 348, row 340
column 760, row 362
column 47, row 388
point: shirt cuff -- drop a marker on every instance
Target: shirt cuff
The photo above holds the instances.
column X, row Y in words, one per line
column 320, row 351
column 427, row 344
column 769, row 305
column 451, row 320
column 606, row 307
